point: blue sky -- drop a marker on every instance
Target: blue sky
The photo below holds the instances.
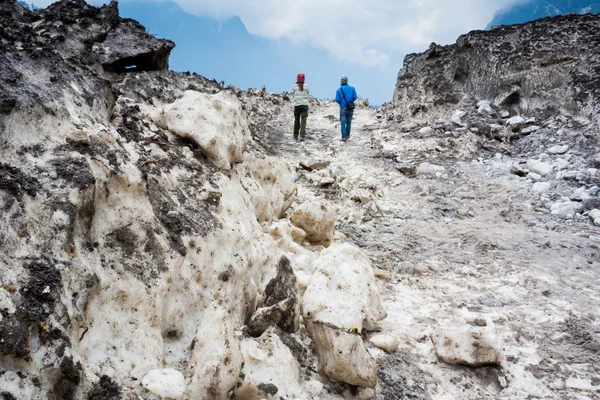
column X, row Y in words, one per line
column 251, row 43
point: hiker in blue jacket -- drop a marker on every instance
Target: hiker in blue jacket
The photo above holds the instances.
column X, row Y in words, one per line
column 345, row 97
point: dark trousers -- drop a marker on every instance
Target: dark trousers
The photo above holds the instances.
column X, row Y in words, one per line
column 300, row 115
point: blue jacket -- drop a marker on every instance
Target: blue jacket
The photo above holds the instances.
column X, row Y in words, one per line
column 349, row 92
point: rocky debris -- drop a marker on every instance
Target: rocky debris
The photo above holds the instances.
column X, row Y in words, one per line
column 167, row 383
column 473, row 346
column 281, row 303
column 528, row 77
column 341, row 300
column 317, row 221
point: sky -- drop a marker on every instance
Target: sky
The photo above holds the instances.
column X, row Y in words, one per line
column 255, row 43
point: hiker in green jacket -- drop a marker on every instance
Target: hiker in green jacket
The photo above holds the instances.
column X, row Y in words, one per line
column 301, row 95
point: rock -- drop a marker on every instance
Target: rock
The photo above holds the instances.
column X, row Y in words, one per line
column 558, row 149
column 385, row 342
column 541, row 187
column 167, row 383
column 569, row 175
column 270, row 369
column 515, row 121
column 473, row 346
column 504, row 114
column 484, row 108
column 597, row 222
column 457, row 117
column 566, row 209
column 317, row 221
column 388, row 152
column 78, row 138
column 362, row 196
column 314, row 387
column 216, row 359
column 432, row 170
column 517, row 170
column 315, row 165
column 173, row 214
column 580, row 194
column 594, row 214
column 491, row 302
column 282, row 306
column 540, row 167
column 342, row 299
column 426, row 131
column 326, row 182
column 534, row 177
column 530, row 129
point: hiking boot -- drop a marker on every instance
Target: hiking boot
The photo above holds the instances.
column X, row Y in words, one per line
column 302, row 138
column 295, row 137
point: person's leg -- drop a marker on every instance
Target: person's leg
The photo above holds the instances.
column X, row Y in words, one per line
column 349, row 115
column 343, row 122
column 303, row 116
column 296, row 121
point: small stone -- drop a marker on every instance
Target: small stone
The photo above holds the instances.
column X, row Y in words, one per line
column 530, row 129
column 315, row 165
column 534, row 177
column 546, row 292
column 558, row 149
column 515, row 121
column 167, row 383
column 457, row 117
column 594, row 214
column 504, row 114
column 566, row 209
column 541, row 187
column 491, row 302
column 426, row 131
column 539, row 167
column 173, row 214
column 517, row 170
column 385, row 342
column 326, row 182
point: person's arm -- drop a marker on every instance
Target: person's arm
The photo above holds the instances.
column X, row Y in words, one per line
column 354, row 95
column 338, row 97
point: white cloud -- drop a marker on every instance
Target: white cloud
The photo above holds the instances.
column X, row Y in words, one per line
column 366, row 32
column 362, row 31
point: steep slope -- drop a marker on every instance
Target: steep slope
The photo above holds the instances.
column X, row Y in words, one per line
column 546, row 65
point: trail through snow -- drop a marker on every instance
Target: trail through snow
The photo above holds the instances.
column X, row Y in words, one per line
column 457, row 249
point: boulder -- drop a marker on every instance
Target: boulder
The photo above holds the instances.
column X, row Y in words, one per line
column 342, row 298
column 580, row 194
column 473, row 346
column 216, row 359
column 567, row 209
column 317, row 221
column 517, row 170
column 270, row 369
column 167, row 383
column 540, row 167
